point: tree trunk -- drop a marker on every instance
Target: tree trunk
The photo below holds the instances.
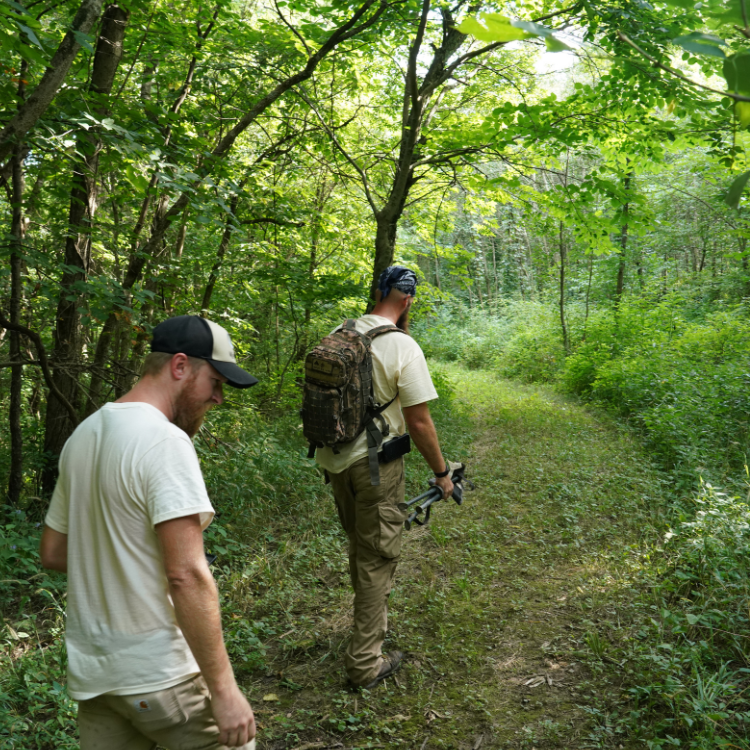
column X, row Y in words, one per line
column 36, row 105
column 15, row 477
column 416, row 98
column 385, row 244
column 229, row 228
column 588, row 294
column 620, row 288
column 83, row 200
column 563, row 323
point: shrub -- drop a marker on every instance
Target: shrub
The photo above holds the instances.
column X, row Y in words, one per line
column 535, row 356
column 688, row 656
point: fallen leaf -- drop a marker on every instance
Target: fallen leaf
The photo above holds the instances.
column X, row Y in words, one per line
column 400, row 717
column 534, row 682
column 270, row 697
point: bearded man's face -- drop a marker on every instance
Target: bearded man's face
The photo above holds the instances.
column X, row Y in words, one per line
column 202, row 390
column 403, row 321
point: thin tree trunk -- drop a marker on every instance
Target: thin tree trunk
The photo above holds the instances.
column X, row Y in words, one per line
column 494, row 267
column 623, row 244
column 416, row 98
column 588, row 294
column 15, row 477
column 704, row 250
column 83, row 200
column 229, row 228
column 563, row 323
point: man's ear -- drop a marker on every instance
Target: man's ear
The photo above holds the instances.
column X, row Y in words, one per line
column 179, row 367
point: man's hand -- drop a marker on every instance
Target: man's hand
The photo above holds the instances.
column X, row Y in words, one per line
column 446, row 485
column 234, row 717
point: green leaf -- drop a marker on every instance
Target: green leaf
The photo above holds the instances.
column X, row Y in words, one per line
column 17, row 6
column 555, row 45
column 532, row 28
column 31, row 35
column 733, row 14
column 735, row 190
column 503, row 28
column 737, row 73
column 701, row 44
column 742, row 110
column 701, row 38
column 84, row 40
column 498, row 29
column 698, row 48
column 472, row 27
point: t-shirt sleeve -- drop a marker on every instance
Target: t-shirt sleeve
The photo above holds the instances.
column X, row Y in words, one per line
column 172, row 482
column 57, row 513
column 414, row 381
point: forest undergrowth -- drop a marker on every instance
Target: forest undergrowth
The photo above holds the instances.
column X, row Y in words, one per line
column 573, row 601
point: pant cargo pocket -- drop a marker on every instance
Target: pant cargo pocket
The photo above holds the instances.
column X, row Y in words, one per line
column 391, row 521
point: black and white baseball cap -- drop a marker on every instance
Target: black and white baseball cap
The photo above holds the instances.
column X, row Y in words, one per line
column 200, row 338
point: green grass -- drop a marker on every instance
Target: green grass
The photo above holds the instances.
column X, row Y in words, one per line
column 515, row 585
column 531, row 615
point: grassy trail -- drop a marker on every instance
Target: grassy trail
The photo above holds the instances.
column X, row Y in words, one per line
column 507, row 606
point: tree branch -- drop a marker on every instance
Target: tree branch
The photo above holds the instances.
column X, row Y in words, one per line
column 624, row 38
column 291, row 28
column 36, row 105
column 269, row 220
column 44, row 362
column 341, row 149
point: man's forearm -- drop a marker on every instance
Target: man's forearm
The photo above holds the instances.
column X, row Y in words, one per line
column 53, row 550
column 423, row 433
column 196, row 604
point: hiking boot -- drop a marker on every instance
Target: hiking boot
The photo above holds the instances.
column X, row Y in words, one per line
column 391, row 662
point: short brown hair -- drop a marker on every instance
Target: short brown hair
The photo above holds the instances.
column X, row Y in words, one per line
column 155, row 362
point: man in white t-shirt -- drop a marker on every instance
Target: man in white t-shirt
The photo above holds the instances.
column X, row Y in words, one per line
column 369, row 514
column 146, row 657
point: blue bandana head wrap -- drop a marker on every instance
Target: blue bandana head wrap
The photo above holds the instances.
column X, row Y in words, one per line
column 398, row 277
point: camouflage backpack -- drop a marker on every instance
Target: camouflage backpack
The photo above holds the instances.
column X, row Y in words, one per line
column 338, row 401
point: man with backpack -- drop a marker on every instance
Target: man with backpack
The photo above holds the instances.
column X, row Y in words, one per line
column 366, row 383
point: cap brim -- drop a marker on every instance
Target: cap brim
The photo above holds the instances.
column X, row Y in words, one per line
column 235, row 375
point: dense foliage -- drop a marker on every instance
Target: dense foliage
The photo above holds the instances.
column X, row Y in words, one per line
column 570, row 182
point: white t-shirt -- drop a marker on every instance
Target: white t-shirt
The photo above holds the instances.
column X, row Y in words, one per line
column 125, row 469
column 398, row 366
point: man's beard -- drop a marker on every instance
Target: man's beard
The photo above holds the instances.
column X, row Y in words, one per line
column 188, row 410
column 403, row 321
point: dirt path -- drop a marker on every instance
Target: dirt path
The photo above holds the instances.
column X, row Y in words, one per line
column 506, row 606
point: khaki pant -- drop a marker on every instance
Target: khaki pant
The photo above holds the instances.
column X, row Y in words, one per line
column 373, row 523
column 178, row 718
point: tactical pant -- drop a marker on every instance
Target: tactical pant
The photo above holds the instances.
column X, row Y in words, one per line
column 373, row 523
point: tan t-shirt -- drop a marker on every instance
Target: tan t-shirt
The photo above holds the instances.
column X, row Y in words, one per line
column 125, row 469
column 398, row 366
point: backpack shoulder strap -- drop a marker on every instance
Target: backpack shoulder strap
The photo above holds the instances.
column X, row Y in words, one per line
column 373, row 332
column 374, row 434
